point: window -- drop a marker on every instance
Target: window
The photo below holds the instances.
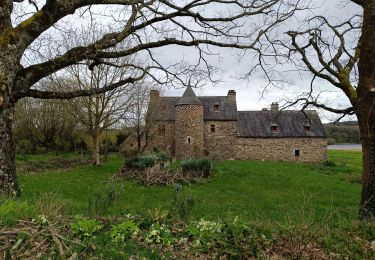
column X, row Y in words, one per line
column 189, row 140
column 161, row 129
column 164, row 107
column 274, row 128
column 213, row 129
column 131, row 145
column 216, row 107
column 297, row 153
column 307, row 126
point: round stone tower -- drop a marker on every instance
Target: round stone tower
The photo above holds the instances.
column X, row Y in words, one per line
column 189, row 126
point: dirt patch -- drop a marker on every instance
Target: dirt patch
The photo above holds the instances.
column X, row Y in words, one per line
column 59, row 164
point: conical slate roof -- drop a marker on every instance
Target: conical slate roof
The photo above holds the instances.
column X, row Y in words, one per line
column 188, row 98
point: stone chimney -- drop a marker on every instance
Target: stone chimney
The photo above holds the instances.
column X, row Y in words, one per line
column 232, row 95
column 275, row 106
column 154, row 96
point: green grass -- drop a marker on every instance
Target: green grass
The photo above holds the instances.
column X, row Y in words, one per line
column 249, row 189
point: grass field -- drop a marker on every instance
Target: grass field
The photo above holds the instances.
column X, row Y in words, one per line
column 250, row 210
column 251, row 190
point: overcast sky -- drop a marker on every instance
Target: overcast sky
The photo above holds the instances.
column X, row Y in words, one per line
column 249, row 92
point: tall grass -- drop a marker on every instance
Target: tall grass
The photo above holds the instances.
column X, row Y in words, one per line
column 12, row 210
column 196, row 164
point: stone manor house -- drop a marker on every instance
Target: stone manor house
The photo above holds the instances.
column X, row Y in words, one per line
column 191, row 126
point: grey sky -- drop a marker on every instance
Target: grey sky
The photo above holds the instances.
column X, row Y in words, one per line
column 249, row 92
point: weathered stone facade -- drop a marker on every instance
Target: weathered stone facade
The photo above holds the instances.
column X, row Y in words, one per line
column 281, row 149
column 191, row 126
column 162, row 137
column 219, row 139
column 189, row 131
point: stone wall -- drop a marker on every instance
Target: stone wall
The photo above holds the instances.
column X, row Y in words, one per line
column 162, row 140
column 281, row 149
column 189, row 131
column 219, row 144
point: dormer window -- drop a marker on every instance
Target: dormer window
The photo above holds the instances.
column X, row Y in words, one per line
column 216, row 107
column 274, row 128
column 307, row 126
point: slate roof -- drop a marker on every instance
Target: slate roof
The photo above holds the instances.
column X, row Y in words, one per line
column 290, row 124
column 227, row 109
column 188, row 98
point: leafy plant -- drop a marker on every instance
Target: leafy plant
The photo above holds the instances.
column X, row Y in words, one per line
column 159, row 234
column 206, row 232
column 86, row 228
column 158, row 214
column 124, row 231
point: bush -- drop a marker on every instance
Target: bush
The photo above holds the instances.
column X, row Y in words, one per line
column 196, row 164
column 142, row 162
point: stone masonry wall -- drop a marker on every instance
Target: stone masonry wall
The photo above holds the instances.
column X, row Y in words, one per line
column 189, row 131
column 281, row 149
column 162, row 140
column 218, row 145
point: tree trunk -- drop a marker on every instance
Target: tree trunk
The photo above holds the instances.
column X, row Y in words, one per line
column 8, row 177
column 367, row 133
column 96, row 149
column 366, row 109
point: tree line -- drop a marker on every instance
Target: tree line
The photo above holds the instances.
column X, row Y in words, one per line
column 344, row 132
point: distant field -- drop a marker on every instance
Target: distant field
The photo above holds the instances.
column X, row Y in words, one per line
column 251, row 190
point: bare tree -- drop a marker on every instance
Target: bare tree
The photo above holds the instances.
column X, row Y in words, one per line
column 97, row 113
column 44, row 123
column 139, row 120
column 342, row 54
column 144, row 25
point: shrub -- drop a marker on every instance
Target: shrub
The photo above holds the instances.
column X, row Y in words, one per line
column 141, row 161
column 196, row 164
column 12, row 210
